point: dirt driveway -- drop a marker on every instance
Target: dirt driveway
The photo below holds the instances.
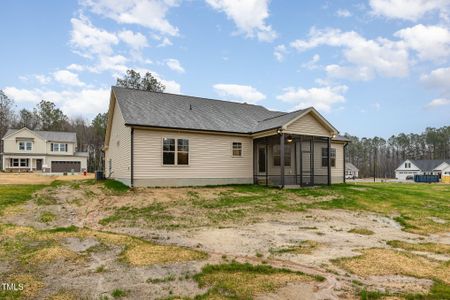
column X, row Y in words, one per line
column 36, row 178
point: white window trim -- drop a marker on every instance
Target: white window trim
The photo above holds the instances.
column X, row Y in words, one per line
column 25, row 146
column 232, row 150
column 176, row 152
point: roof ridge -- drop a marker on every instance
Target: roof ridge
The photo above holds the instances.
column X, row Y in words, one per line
column 188, row 96
column 284, row 114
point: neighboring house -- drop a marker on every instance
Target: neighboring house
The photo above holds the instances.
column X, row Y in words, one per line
column 351, row 171
column 26, row 150
column 409, row 168
column 161, row 139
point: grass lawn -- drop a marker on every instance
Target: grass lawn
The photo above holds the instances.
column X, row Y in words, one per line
column 419, row 208
column 11, row 195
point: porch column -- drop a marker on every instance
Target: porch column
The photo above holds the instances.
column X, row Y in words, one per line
column 329, row 161
column 3, row 163
column 301, row 161
column 255, row 170
column 30, row 161
column 282, row 160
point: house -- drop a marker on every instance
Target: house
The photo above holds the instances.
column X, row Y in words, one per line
column 409, row 168
column 26, row 150
column 351, row 172
column 162, row 139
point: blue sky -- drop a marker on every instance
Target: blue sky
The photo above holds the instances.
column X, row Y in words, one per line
column 376, row 67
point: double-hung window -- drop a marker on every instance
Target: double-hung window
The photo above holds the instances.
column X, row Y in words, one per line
column 237, row 149
column 325, row 157
column 59, row 147
column 25, row 146
column 175, row 152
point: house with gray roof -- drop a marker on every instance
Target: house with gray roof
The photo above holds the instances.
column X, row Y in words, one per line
column 410, row 167
column 351, row 171
column 26, row 150
column 162, row 139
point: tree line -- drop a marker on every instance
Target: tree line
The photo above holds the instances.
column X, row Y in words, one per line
column 47, row 116
column 384, row 156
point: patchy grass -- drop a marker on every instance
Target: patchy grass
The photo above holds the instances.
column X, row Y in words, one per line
column 167, row 278
column 47, row 217
column 118, row 293
column 363, row 231
column 31, row 287
column 412, row 205
column 304, row 247
column 244, row 281
column 12, row 195
column 425, row 247
column 116, row 186
column 391, row 262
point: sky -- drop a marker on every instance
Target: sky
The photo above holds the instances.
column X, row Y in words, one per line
column 372, row 68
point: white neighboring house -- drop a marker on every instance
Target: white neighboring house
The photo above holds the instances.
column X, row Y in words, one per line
column 420, row 167
column 351, row 171
column 26, row 150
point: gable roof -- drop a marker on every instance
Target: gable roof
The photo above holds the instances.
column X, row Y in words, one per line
column 164, row 110
column 426, row 165
column 351, row 166
column 56, row 136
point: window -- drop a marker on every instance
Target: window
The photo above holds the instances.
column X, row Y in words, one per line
column 277, row 158
column 58, row 147
column 325, row 157
column 172, row 146
column 237, row 149
column 168, row 151
column 23, row 162
column 182, row 152
column 28, row 146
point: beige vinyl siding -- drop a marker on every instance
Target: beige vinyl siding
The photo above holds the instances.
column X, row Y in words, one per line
column 337, row 173
column 11, row 145
column 308, row 125
column 210, row 157
column 119, row 149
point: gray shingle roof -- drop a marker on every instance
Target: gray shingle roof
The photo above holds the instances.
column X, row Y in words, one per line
column 428, row 165
column 55, row 136
column 178, row 111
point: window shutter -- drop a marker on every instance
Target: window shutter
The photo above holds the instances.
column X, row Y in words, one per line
column 66, row 148
column 51, row 147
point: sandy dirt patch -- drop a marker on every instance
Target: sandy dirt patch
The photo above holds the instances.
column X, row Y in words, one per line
column 35, row 178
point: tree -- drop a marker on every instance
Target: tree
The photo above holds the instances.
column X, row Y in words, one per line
column 51, row 117
column 133, row 80
column 7, row 115
column 28, row 119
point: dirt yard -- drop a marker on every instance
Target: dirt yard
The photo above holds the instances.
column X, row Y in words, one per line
column 81, row 239
column 37, row 178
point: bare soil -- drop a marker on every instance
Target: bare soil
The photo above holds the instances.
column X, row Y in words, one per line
column 39, row 178
column 104, row 267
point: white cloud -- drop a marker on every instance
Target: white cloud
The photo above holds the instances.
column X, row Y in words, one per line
column 147, row 13
column 243, row 93
column 73, row 103
column 165, row 42
column 175, row 65
column 438, row 102
column 136, row 41
column 312, row 64
column 438, row 79
column 410, row 10
column 88, row 40
column 75, row 67
column 43, row 79
column 279, row 52
column 322, row 98
column 343, row 13
column 67, row 78
column 430, row 42
column 370, row 57
column 249, row 16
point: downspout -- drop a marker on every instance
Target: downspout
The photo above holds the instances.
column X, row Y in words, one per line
column 345, row 147
column 132, row 158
